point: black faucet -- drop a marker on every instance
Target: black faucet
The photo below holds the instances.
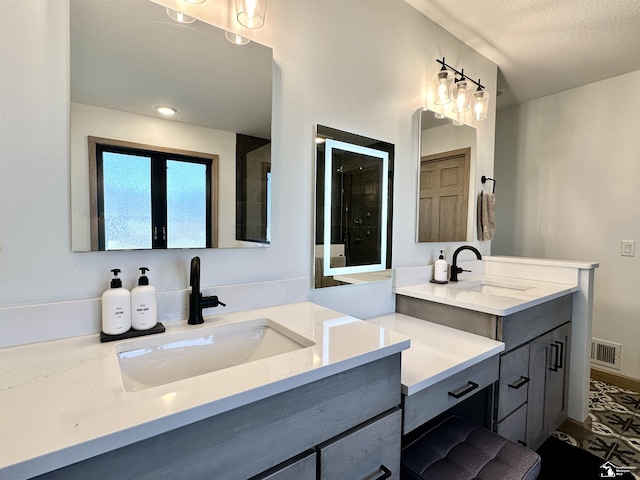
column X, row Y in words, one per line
column 196, row 301
column 455, row 269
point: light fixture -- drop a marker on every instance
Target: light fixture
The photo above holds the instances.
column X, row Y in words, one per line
column 480, row 104
column 235, row 38
column 179, row 16
column 250, row 13
column 461, row 95
column 444, row 79
column 195, row 2
column 166, row 111
column 464, row 98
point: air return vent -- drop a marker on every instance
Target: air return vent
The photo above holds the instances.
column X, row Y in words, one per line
column 605, row 353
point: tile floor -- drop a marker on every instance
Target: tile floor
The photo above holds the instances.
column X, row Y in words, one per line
column 615, row 433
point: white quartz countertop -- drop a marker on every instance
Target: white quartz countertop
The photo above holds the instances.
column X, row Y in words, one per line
column 436, row 351
column 491, row 294
column 63, row 401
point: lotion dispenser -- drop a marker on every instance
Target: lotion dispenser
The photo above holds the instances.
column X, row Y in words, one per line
column 144, row 312
column 116, row 307
column 440, row 269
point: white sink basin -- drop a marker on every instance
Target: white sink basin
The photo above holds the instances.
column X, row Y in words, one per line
column 153, row 361
column 489, row 287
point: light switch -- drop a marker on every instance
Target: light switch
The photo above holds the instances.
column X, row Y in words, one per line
column 628, row 248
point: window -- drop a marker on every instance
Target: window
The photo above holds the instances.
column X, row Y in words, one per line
column 147, row 197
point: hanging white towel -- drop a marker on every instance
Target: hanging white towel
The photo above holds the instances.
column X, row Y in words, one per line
column 486, row 216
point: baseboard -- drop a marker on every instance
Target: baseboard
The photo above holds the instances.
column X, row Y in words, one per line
column 616, row 379
column 578, row 430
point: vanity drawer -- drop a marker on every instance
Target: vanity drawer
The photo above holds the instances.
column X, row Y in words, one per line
column 365, row 452
column 514, row 381
column 514, row 427
column 424, row 405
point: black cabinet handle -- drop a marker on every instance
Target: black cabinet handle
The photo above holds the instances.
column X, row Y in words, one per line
column 560, row 354
column 524, row 444
column 471, row 386
column 386, row 473
column 554, row 368
column 520, row 383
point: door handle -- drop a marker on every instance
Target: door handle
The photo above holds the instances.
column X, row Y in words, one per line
column 554, row 368
column 386, row 473
column 560, row 354
column 471, row 386
column 520, row 383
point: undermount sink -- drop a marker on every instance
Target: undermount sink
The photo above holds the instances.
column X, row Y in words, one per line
column 489, row 287
column 150, row 362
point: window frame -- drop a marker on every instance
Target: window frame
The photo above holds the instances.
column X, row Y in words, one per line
column 159, row 156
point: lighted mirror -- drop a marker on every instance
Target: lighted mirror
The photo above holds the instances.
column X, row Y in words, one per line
column 126, row 59
column 445, row 167
column 354, row 196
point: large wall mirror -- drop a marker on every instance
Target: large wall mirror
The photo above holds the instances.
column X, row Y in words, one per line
column 445, row 192
column 353, row 208
column 128, row 57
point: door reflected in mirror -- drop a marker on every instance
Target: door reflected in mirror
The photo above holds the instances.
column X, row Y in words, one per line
column 127, row 58
column 445, row 199
column 354, row 192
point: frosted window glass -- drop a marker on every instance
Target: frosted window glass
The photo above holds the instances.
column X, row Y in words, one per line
column 186, row 204
column 127, row 201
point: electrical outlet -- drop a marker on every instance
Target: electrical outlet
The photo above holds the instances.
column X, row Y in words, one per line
column 628, row 248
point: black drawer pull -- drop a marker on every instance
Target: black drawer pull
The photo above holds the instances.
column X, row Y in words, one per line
column 556, row 357
column 471, row 386
column 520, row 383
column 561, row 353
column 386, row 474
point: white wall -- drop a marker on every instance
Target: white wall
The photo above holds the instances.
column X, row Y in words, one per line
column 357, row 65
column 568, row 173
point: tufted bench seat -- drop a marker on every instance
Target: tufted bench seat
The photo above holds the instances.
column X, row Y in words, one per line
column 460, row 450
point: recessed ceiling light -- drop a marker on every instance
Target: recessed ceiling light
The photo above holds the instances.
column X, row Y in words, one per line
column 195, row 1
column 168, row 111
column 179, row 16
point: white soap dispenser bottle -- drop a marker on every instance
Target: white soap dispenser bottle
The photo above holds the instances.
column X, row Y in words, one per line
column 116, row 307
column 440, row 269
column 144, row 310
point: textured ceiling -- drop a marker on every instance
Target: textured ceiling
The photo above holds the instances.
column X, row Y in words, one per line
column 544, row 47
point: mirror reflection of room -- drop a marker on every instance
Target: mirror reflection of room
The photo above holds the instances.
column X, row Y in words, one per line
column 447, row 158
column 353, row 208
column 216, row 99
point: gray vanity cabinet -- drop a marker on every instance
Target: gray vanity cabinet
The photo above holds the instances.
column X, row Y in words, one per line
column 532, row 389
column 549, row 373
column 302, row 467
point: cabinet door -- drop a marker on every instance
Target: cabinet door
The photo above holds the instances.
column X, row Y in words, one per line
column 538, row 368
column 369, row 452
column 514, row 426
column 558, row 378
column 513, row 383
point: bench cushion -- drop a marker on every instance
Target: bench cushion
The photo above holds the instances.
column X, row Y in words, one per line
column 460, row 450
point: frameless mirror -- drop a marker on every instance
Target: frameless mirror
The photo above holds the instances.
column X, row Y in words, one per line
column 353, row 208
column 445, row 195
column 129, row 57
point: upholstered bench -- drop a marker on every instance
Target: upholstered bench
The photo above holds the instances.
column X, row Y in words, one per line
column 460, row 450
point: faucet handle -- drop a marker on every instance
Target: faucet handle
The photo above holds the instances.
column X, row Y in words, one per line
column 460, row 270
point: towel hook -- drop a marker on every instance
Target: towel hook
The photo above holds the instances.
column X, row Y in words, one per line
column 484, row 179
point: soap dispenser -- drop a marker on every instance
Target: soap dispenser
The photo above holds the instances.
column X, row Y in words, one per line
column 116, row 307
column 144, row 312
column 440, row 269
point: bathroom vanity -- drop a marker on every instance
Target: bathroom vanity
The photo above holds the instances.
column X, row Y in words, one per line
column 532, row 319
column 68, row 409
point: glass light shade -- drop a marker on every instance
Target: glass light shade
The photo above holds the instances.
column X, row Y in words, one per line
column 195, row 1
column 250, row 13
column 480, row 104
column 179, row 16
column 443, row 81
column 461, row 96
column 235, row 38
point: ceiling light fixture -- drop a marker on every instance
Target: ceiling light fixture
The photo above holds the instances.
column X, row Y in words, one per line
column 166, row 111
column 235, row 38
column 462, row 95
column 250, row 13
column 179, row 16
column 195, row 2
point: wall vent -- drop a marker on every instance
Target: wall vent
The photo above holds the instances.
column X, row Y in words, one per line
column 605, row 353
